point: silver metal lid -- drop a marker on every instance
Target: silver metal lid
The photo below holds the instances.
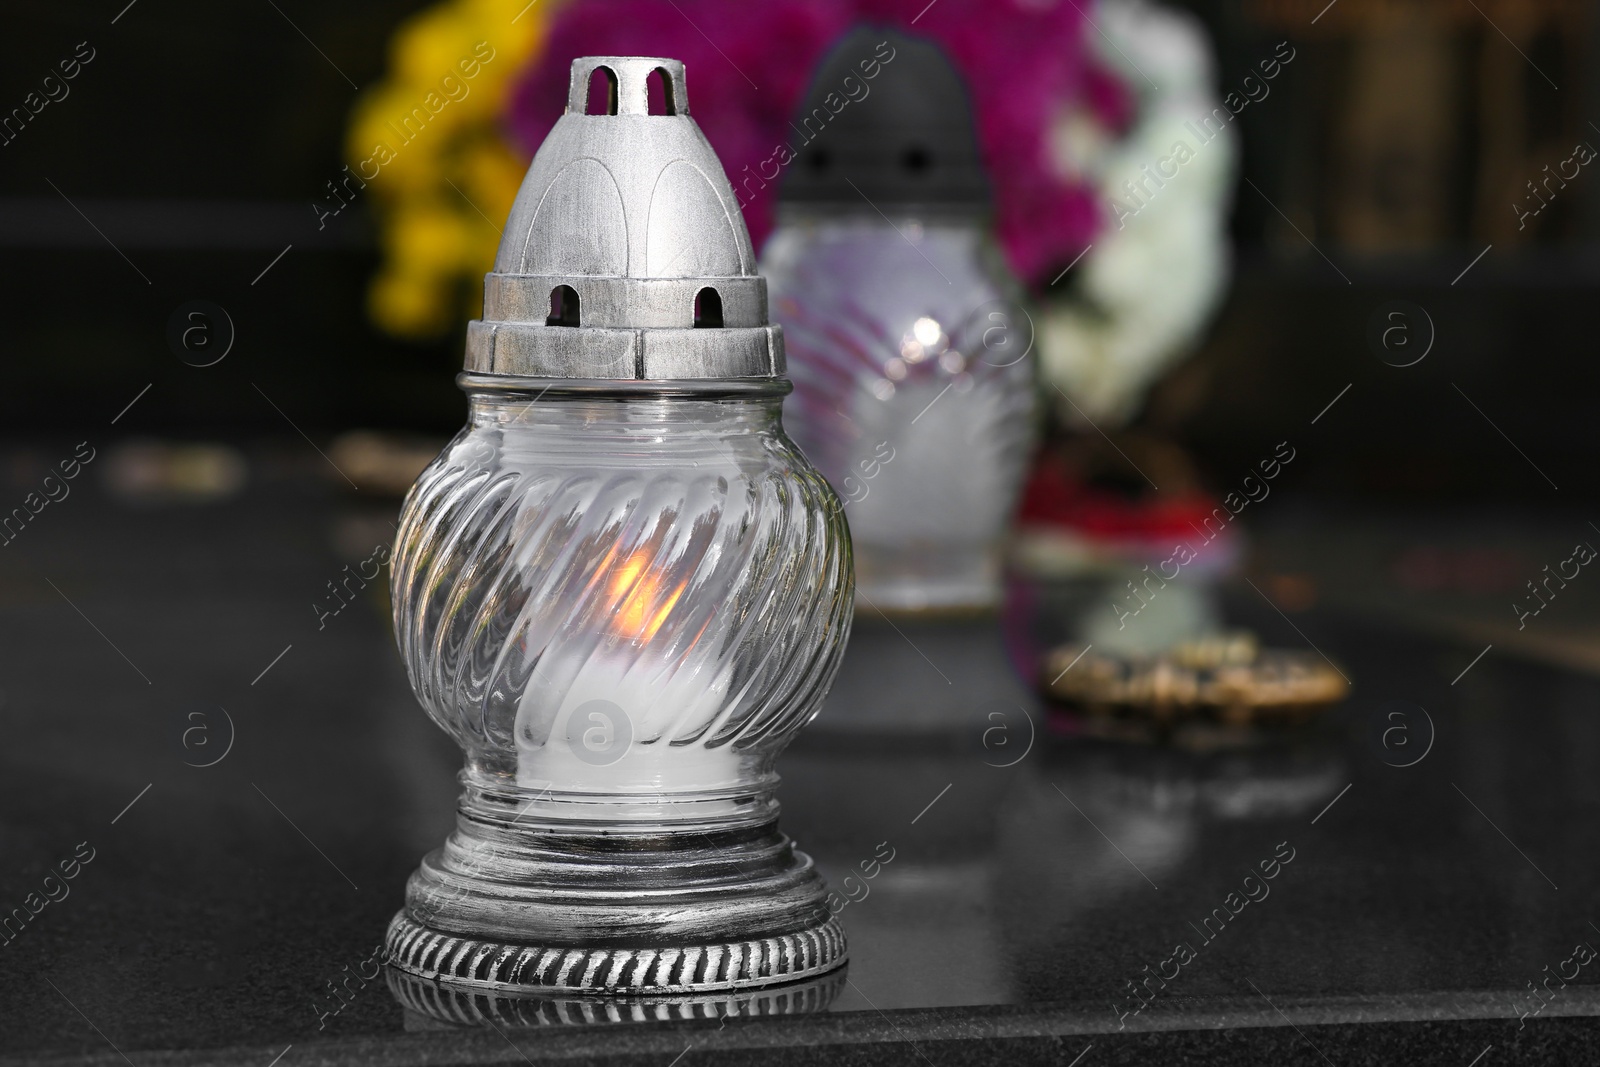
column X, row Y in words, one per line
column 625, row 255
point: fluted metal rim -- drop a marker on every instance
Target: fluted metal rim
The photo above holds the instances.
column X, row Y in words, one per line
column 454, row 1007
column 610, row 970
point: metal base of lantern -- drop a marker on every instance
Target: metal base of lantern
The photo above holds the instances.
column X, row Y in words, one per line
column 431, row 1006
column 505, row 906
column 633, row 971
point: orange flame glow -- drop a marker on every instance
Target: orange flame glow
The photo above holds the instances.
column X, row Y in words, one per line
column 642, row 605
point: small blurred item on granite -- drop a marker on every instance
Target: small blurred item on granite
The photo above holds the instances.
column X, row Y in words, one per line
column 382, row 463
column 908, row 349
column 1228, row 678
column 146, row 472
column 1083, row 513
column 1146, row 564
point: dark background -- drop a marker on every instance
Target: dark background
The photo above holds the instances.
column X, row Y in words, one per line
column 200, row 135
column 198, row 139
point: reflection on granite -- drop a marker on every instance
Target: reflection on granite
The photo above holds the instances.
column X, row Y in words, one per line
column 1034, row 875
column 1464, row 577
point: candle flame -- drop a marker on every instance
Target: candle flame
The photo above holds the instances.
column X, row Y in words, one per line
column 642, row 605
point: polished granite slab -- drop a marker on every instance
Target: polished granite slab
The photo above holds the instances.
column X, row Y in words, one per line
column 252, row 782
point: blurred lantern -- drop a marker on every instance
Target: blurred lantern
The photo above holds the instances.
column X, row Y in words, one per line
column 913, row 392
column 622, row 589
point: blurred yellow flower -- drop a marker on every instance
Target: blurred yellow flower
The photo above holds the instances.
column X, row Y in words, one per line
column 428, row 142
column 410, row 304
column 427, row 45
column 429, row 234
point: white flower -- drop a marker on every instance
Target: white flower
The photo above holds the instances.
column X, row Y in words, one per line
column 1158, row 269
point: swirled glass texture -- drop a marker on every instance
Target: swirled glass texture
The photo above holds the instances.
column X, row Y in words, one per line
column 913, row 394
column 624, row 595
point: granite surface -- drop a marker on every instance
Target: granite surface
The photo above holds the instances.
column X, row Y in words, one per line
column 239, row 786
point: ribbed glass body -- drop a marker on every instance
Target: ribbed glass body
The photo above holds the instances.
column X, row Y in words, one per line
column 622, row 604
column 913, row 392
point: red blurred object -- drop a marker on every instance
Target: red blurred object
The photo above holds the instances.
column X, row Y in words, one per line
column 1054, row 497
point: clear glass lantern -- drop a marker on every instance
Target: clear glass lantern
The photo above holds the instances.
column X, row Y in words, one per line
column 910, row 394
column 621, row 588
column 914, row 392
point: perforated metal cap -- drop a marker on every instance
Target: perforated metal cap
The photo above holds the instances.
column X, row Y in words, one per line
column 625, row 255
column 904, row 137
